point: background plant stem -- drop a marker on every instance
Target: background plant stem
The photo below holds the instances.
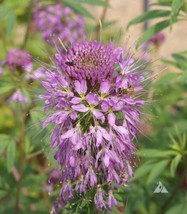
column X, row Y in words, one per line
column 30, row 8
column 102, row 18
column 21, row 158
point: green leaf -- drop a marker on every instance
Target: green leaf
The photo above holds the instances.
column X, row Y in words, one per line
column 10, row 22
column 4, row 10
column 156, row 170
column 181, row 61
column 166, row 78
column 155, row 153
column 106, row 24
column 148, row 16
column 6, row 89
column 4, row 141
column 11, row 153
column 28, row 147
column 175, row 8
column 78, row 8
column 170, row 62
column 180, row 208
column 174, row 164
column 94, row 2
column 150, row 32
column 143, row 169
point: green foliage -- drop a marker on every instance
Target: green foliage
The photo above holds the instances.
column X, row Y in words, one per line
column 153, row 30
column 8, row 15
column 171, row 16
column 78, row 6
column 148, row 16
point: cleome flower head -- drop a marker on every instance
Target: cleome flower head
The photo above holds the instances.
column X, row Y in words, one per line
column 90, row 61
column 93, row 94
column 59, row 21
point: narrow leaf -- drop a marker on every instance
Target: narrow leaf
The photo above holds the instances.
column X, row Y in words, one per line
column 175, row 8
column 174, row 164
column 150, row 32
column 149, row 15
column 155, row 153
column 170, row 62
column 94, row 2
column 78, row 8
column 11, row 152
column 166, row 78
column 156, row 170
column 143, row 169
column 4, row 10
column 4, row 140
column 10, row 22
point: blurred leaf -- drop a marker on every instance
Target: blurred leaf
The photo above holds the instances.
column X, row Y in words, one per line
column 149, row 15
column 180, row 208
column 181, row 61
column 94, row 2
column 6, row 89
column 10, row 22
column 4, row 141
column 4, row 10
column 150, row 32
column 78, row 8
column 175, row 8
column 143, row 169
column 156, row 170
column 155, row 153
column 17, row 4
column 11, row 153
column 174, row 164
column 169, row 62
column 166, row 78
column 28, row 147
column 106, row 24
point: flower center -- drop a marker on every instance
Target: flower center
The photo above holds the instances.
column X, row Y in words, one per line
column 90, row 60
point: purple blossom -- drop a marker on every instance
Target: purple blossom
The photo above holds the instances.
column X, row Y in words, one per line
column 18, row 96
column 39, row 73
column 111, row 200
column 19, row 59
column 90, row 60
column 59, row 22
column 93, row 94
column 157, row 39
column 99, row 199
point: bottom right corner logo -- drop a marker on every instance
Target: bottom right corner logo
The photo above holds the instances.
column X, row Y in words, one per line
column 160, row 188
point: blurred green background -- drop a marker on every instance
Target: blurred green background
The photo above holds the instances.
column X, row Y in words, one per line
column 25, row 158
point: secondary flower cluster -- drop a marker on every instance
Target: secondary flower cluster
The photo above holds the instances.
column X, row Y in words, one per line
column 93, row 95
column 59, row 22
column 20, row 64
column 157, row 39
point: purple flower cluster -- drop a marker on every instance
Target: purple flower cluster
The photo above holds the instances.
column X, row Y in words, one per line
column 93, row 95
column 59, row 22
column 18, row 96
column 19, row 59
column 157, row 39
column 20, row 64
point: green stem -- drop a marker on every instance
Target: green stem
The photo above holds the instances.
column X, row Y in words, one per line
column 22, row 158
column 102, row 18
column 3, row 39
column 30, row 7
